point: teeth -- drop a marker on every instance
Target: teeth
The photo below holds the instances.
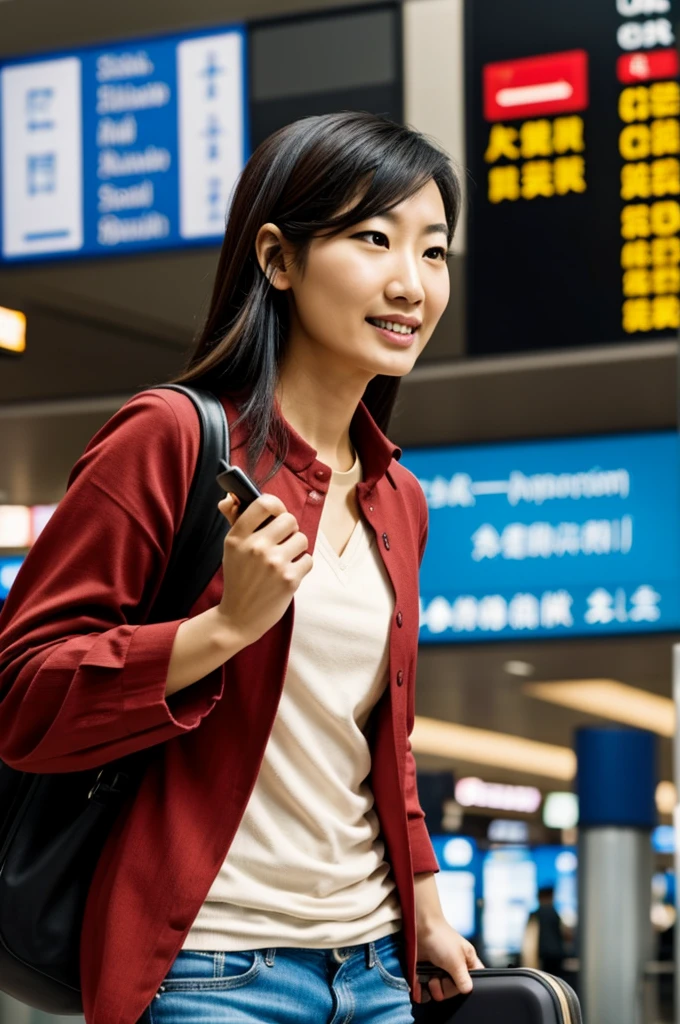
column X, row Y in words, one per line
column 388, row 325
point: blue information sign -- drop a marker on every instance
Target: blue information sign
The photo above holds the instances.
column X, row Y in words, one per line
column 552, row 538
column 9, row 567
column 122, row 148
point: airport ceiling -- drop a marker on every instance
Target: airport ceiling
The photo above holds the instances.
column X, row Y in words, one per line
column 101, row 329
column 469, row 685
column 29, row 26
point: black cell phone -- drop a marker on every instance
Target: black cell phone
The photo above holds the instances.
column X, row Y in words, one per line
column 234, row 481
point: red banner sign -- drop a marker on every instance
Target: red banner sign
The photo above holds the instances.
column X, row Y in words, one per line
column 645, row 67
column 554, row 83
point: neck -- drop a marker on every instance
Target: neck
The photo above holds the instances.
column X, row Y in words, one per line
column 319, row 404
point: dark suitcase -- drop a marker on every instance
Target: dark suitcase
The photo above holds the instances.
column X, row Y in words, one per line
column 519, row 996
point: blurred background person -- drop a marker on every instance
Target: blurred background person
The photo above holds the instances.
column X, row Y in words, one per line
column 545, row 938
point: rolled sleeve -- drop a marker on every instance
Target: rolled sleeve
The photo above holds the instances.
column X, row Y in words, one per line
column 146, row 671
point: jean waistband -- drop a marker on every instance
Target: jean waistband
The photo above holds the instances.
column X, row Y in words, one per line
column 341, row 954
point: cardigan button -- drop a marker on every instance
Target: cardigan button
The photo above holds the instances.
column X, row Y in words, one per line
column 321, row 474
column 314, row 497
column 386, row 541
column 400, row 619
column 400, row 678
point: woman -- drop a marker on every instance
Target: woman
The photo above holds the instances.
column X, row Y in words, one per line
column 274, row 865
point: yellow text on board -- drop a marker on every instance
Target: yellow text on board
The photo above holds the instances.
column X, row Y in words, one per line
column 649, row 143
column 539, row 158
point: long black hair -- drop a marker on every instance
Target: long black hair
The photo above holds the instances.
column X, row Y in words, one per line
column 302, row 178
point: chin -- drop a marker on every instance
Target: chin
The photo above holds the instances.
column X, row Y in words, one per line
column 397, row 367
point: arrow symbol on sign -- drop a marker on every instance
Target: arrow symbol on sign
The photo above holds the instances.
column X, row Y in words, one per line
column 546, row 92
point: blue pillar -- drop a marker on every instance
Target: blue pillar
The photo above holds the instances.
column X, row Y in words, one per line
column 616, row 785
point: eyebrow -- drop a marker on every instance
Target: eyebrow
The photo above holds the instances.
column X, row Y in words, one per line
column 430, row 229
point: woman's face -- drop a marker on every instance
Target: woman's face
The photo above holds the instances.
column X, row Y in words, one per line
column 368, row 300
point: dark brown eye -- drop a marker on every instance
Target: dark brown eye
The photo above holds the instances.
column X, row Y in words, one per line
column 376, row 237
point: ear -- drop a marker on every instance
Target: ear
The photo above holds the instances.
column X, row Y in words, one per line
column 271, row 251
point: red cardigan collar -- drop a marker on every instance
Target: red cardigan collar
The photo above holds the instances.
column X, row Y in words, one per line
column 375, row 450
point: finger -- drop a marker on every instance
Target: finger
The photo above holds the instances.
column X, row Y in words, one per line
column 448, row 988
column 279, row 529
column 302, row 566
column 229, row 509
column 258, row 512
column 293, row 547
column 436, row 991
column 471, row 958
column 461, row 976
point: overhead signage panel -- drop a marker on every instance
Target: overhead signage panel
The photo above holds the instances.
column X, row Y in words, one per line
column 124, row 148
column 9, row 569
column 537, row 85
column 550, row 539
column 573, row 124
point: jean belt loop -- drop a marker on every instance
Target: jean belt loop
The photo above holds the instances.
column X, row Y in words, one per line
column 270, row 957
column 370, row 950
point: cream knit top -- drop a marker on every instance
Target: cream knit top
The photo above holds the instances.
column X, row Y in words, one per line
column 307, row 866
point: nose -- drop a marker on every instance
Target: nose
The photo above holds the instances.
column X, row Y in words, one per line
column 406, row 283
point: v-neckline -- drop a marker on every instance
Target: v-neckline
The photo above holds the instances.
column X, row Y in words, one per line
column 341, row 561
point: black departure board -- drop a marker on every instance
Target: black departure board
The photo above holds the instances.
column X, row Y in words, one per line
column 573, row 142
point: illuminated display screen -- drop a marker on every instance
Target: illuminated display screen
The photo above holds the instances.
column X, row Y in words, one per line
column 508, row 879
column 551, row 538
column 9, row 567
column 511, row 880
column 573, row 121
column 121, row 148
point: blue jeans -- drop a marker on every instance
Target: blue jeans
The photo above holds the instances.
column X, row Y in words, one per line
column 362, row 984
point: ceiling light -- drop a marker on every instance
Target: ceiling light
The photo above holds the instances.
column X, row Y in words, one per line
column 607, row 698
column 498, row 749
column 666, row 798
column 519, row 668
column 12, row 330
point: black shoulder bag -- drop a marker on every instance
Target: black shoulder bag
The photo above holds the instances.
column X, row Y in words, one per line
column 53, row 827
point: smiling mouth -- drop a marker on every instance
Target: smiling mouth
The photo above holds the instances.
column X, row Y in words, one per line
column 390, row 325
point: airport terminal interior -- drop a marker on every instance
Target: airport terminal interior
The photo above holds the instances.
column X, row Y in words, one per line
column 541, row 420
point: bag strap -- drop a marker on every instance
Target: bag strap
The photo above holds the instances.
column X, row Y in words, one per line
column 198, row 547
column 195, row 558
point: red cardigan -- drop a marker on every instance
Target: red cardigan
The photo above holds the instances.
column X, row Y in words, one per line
column 82, row 682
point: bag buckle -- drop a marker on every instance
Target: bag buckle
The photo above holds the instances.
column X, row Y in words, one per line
column 116, row 785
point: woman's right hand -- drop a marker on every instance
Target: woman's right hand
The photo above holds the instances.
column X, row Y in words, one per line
column 262, row 567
